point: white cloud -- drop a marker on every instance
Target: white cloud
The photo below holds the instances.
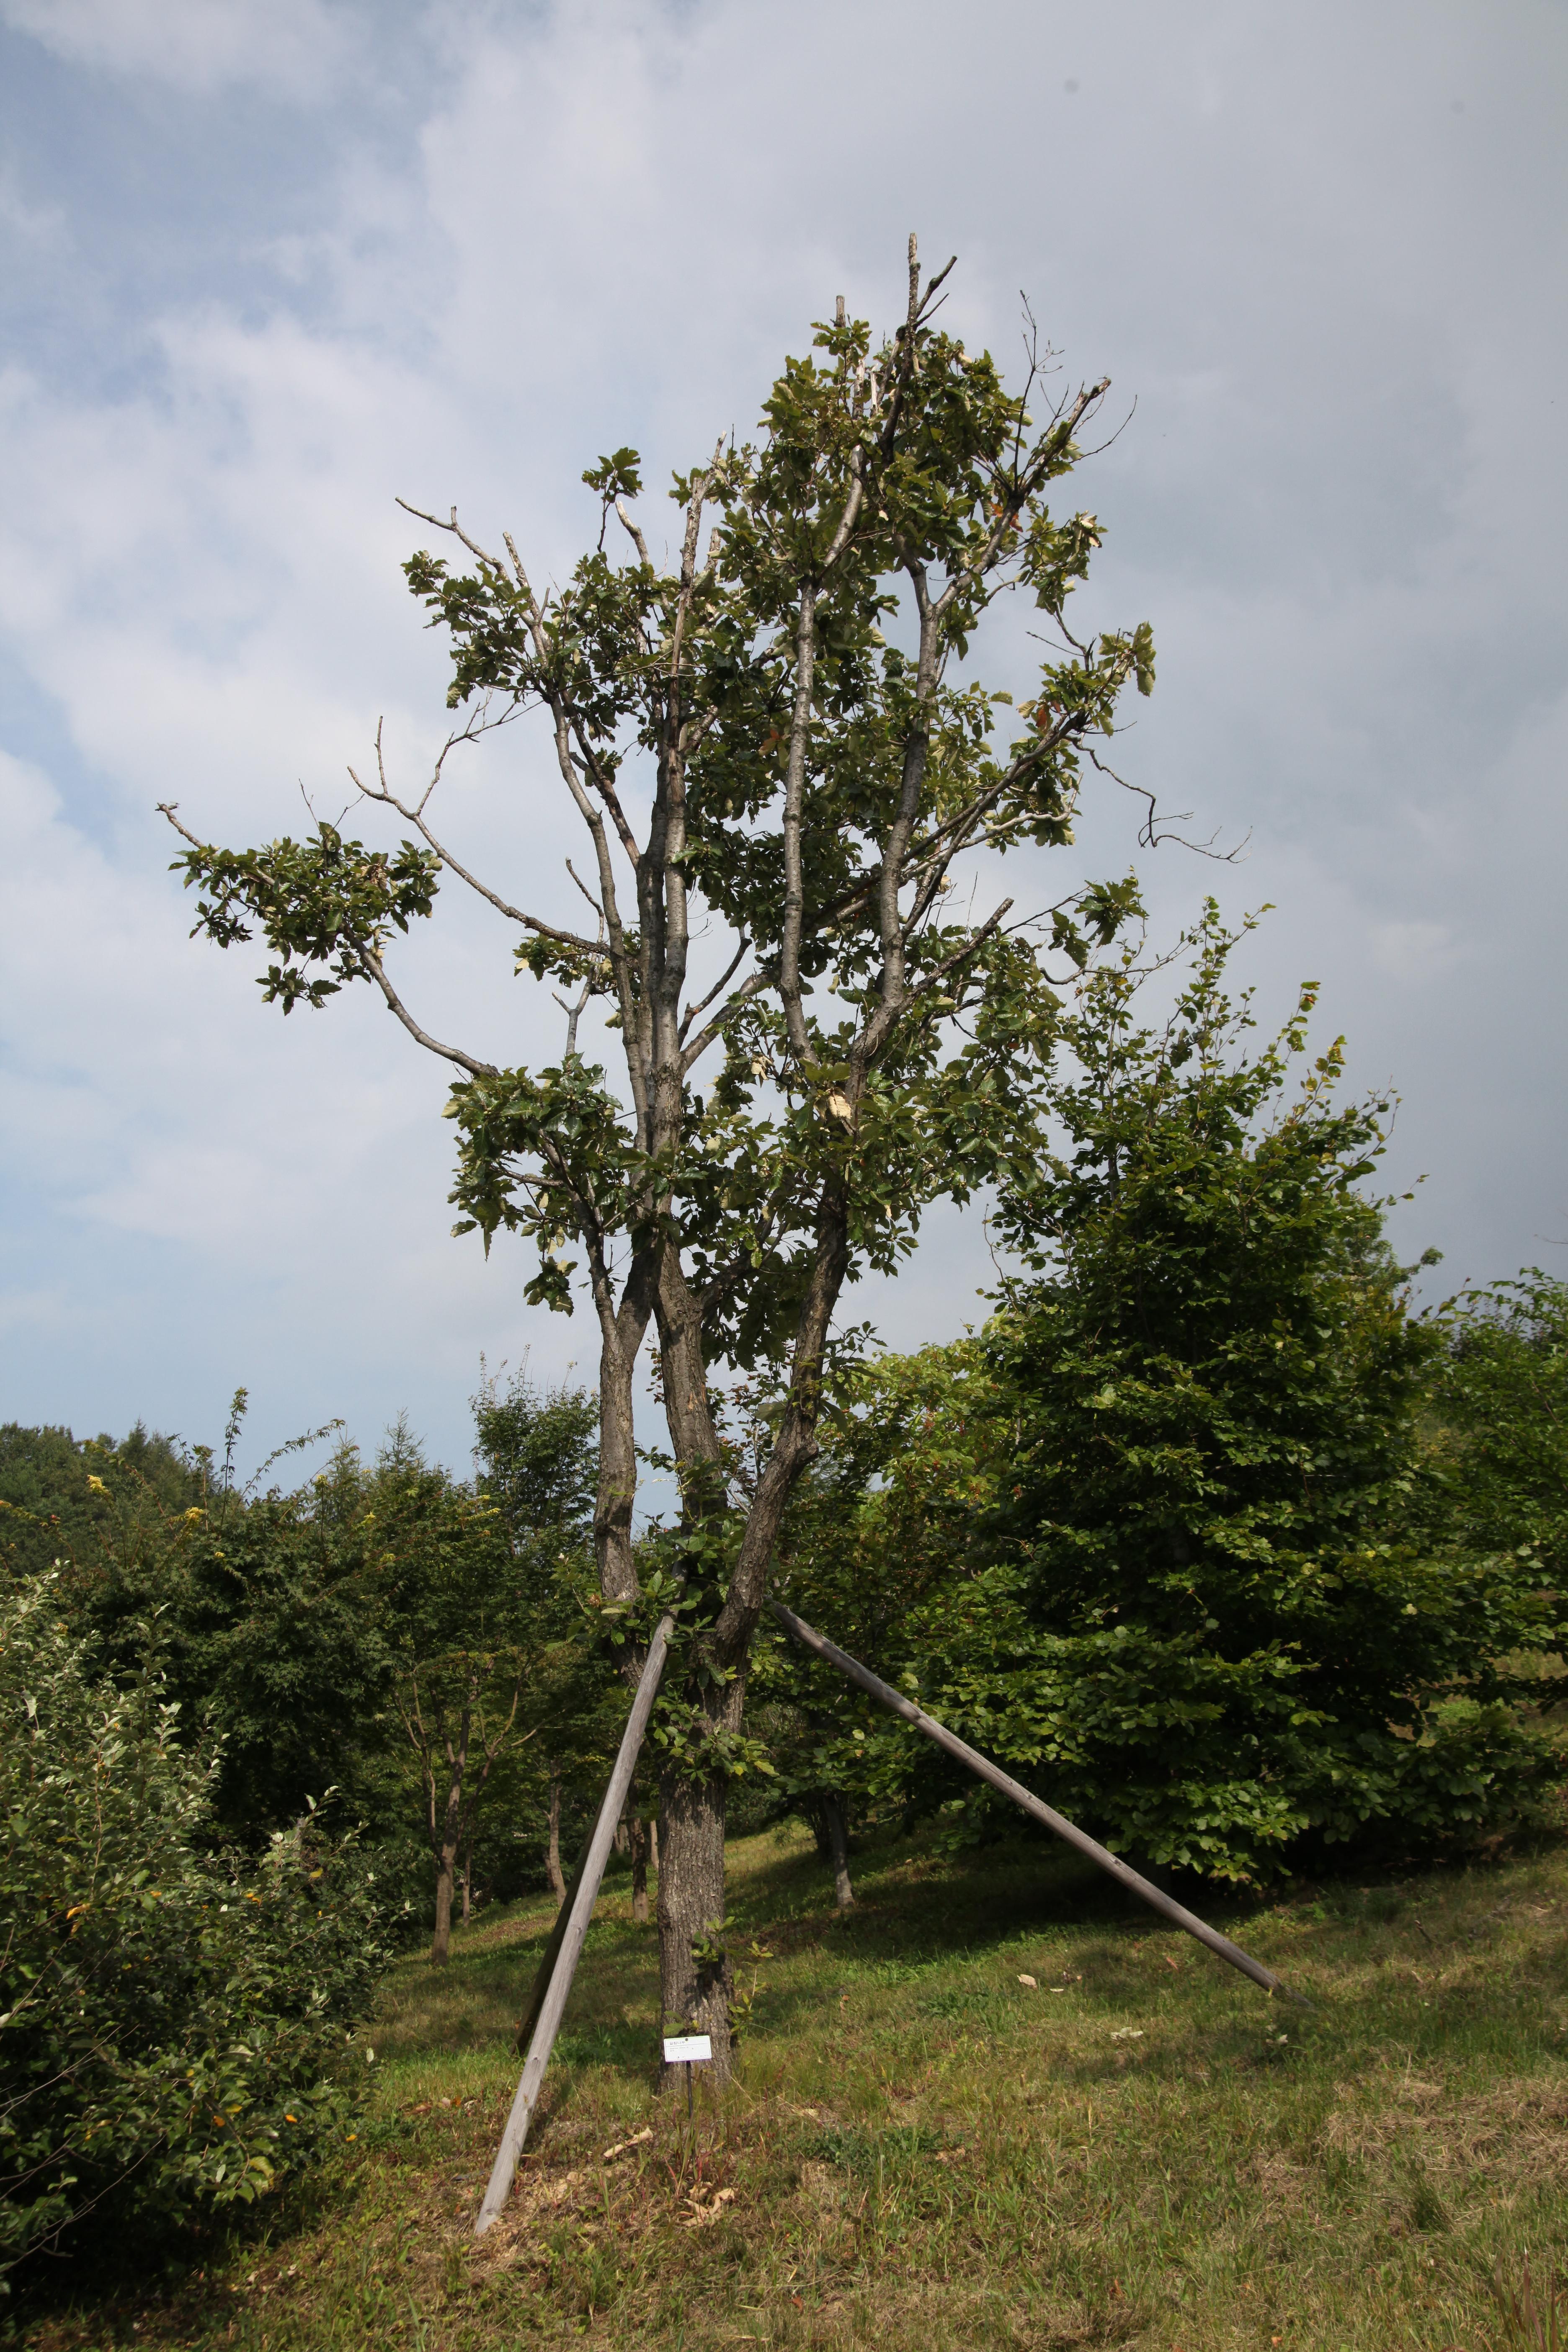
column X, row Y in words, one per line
column 292, row 47
column 1413, row 952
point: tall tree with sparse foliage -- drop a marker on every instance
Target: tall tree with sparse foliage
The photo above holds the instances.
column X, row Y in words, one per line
column 779, row 749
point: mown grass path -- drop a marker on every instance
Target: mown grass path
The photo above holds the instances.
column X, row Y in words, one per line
column 923, row 2152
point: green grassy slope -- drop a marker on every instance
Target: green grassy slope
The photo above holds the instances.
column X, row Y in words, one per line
column 923, row 2152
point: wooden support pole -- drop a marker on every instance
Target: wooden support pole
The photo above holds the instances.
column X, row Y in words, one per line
column 571, row 1928
column 983, row 1767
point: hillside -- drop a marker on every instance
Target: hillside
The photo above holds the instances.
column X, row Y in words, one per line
column 924, row 2151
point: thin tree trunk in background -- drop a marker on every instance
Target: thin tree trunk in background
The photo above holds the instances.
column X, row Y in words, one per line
column 838, row 1852
column 468, row 1877
column 653, row 1847
column 639, row 1869
column 446, row 1830
column 552, row 1856
column 441, row 1945
column 623, row 1836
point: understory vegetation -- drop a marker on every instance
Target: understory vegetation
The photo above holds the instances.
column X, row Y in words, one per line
column 923, row 2148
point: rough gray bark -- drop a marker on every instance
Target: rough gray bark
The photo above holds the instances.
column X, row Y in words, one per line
column 697, row 1983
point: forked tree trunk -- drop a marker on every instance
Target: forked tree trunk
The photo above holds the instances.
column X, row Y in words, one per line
column 838, row 1852
column 552, row 1853
column 639, row 1869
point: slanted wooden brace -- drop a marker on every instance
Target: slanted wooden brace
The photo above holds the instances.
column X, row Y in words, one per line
column 565, row 1948
column 985, row 1770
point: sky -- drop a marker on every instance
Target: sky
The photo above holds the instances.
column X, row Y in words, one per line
column 269, row 265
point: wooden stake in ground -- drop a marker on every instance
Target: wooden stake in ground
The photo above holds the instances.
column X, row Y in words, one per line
column 985, row 1770
column 571, row 1928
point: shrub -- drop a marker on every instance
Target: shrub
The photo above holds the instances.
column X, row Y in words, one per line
column 175, row 2032
column 1224, row 1611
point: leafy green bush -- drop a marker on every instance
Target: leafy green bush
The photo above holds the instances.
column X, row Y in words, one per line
column 1225, row 1612
column 175, row 2033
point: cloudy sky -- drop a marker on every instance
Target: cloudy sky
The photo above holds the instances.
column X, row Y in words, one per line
column 269, row 263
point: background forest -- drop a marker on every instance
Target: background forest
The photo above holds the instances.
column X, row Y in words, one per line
column 1211, row 1534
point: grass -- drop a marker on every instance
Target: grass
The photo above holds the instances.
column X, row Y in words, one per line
column 921, row 2152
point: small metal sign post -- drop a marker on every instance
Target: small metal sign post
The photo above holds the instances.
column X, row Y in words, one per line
column 688, row 2050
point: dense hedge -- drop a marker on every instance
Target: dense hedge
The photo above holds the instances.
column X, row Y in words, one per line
column 176, row 2032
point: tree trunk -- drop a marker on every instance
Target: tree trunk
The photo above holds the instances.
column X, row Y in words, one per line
column 441, row 1945
column 639, row 1869
column 838, row 1850
column 552, row 1853
column 446, row 1827
column 696, row 1985
column 653, row 1847
column 467, row 1882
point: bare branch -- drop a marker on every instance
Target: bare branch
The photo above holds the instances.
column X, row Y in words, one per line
column 1019, row 493
column 1151, row 836
column 960, row 953
column 749, row 988
column 369, row 963
column 167, row 808
column 384, row 794
column 717, row 990
column 793, row 809
column 456, row 531
column 633, row 532
column 585, row 889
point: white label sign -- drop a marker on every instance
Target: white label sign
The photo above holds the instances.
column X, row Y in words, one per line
column 696, row 2048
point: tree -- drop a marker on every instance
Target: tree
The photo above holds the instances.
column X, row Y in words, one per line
column 54, row 1502
column 461, row 1640
column 266, row 1614
column 1502, row 1402
column 538, row 1461
column 791, row 704
column 879, row 1537
column 1220, row 1611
